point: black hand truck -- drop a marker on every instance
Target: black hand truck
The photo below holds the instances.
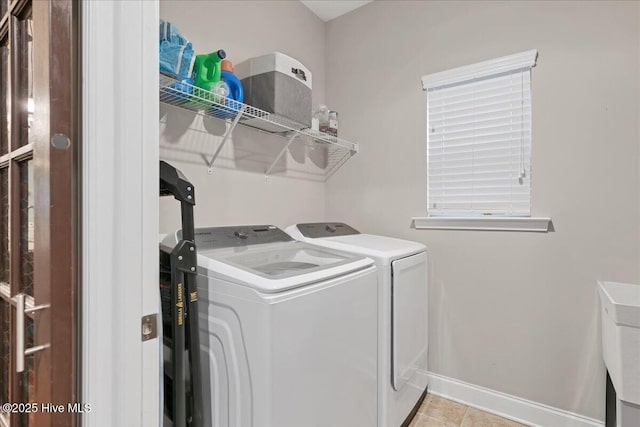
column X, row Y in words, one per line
column 179, row 295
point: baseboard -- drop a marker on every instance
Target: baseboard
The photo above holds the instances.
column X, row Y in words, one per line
column 507, row 406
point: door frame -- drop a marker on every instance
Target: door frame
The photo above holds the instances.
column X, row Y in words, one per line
column 120, row 175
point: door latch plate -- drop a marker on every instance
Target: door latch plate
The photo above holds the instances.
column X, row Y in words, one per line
column 149, row 327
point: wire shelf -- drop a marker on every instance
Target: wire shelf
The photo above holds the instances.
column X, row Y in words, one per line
column 207, row 104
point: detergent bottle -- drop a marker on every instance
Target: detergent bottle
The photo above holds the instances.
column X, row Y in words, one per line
column 207, row 69
column 235, row 87
column 234, row 95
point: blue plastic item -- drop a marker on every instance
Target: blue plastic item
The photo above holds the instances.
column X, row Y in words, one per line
column 179, row 93
column 235, row 87
column 176, row 52
column 170, row 33
column 233, row 101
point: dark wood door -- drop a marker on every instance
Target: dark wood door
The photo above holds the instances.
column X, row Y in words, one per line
column 38, row 212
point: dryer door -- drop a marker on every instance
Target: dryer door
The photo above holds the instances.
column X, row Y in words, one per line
column 409, row 317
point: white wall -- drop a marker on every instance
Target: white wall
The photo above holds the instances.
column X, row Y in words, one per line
column 514, row 312
column 237, row 192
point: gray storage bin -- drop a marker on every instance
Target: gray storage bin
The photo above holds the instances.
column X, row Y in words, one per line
column 279, row 85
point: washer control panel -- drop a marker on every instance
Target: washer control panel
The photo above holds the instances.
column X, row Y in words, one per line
column 325, row 229
column 237, row 236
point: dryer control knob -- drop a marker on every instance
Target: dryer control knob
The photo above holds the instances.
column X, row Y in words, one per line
column 241, row 234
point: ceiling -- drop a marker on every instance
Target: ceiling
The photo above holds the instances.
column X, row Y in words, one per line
column 330, row 9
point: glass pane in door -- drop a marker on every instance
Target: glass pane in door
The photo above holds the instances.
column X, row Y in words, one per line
column 26, row 227
column 5, row 349
column 4, row 225
column 25, row 59
column 4, row 5
column 5, row 96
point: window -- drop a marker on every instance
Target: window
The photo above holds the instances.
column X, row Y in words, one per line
column 479, row 138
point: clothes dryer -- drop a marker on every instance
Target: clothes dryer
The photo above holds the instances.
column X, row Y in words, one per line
column 402, row 312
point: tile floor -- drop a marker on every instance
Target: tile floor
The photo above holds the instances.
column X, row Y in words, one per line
column 439, row 412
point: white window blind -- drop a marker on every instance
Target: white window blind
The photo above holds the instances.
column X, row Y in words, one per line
column 479, row 138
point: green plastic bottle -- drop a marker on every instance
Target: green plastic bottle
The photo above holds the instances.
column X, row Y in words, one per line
column 207, row 69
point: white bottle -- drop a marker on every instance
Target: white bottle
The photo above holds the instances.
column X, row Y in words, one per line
column 320, row 120
column 333, row 123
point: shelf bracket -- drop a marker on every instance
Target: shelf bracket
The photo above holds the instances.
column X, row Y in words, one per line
column 281, row 153
column 225, row 138
column 339, row 164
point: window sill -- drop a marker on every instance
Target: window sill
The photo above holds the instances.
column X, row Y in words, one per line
column 534, row 224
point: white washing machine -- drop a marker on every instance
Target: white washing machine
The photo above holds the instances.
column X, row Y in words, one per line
column 402, row 317
column 288, row 330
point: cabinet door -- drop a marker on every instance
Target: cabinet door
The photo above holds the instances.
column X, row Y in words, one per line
column 409, row 317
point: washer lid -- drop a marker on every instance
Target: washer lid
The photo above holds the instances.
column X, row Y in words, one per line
column 279, row 266
column 382, row 249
